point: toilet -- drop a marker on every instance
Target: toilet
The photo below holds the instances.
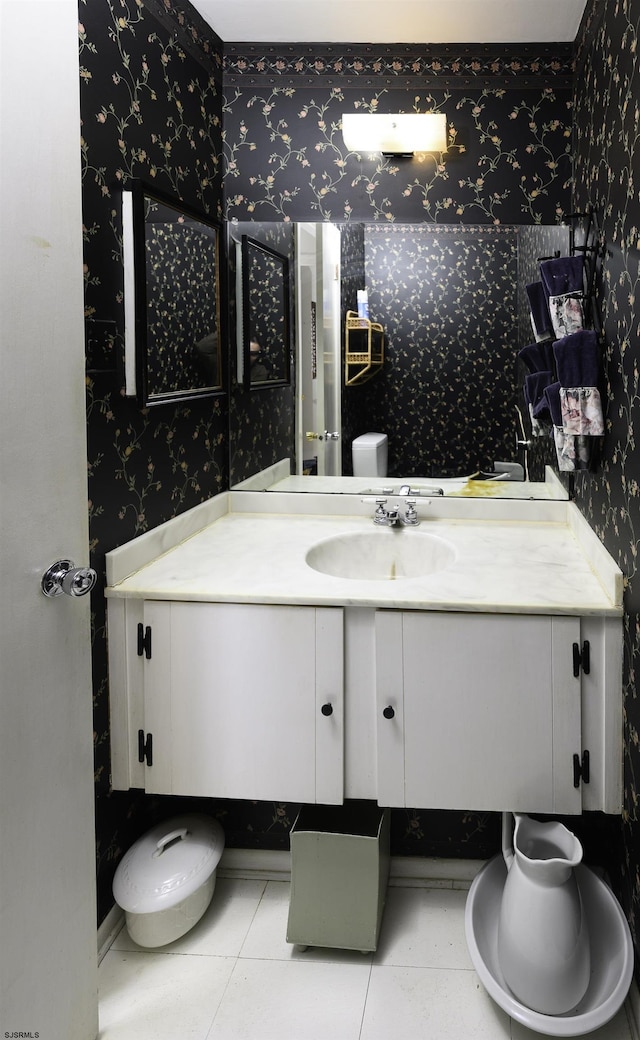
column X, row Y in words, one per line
column 369, row 454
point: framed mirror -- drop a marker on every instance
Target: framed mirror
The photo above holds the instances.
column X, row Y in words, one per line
column 265, row 316
column 173, row 275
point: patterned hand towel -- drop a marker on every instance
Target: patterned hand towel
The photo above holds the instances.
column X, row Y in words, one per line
column 573, row 453
column 581, row 411
column 567, row 314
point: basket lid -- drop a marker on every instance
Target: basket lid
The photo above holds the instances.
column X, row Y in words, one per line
column 168, row 864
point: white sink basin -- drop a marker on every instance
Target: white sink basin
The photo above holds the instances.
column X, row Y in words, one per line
column 385, row 553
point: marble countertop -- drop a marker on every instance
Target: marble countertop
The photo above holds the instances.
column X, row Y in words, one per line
column 527, row 558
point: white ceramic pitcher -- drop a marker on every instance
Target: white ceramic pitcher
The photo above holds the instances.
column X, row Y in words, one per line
column 543, row 940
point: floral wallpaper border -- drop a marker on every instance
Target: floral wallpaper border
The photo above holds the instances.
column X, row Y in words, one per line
column 189, row 29
column 455, row 66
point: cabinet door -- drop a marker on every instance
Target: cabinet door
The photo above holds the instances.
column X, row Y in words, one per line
column 486, row 711
column 234, row 697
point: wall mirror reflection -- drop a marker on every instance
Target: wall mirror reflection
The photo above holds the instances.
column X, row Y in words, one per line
column 452, row 302
column 265, row 315
column 172, row 270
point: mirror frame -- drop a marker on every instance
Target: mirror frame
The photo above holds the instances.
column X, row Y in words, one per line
column 251, row 248
column 142, row 194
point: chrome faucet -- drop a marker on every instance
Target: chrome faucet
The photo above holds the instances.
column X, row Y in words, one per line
column 386, row 517
column 391, row 517
column 406, row 489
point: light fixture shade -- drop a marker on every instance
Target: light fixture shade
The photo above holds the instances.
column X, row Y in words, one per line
column 399, row 133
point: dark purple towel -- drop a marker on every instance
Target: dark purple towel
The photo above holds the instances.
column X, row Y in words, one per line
column 539, row 308
column 538, row 357
column 578, row 359
column 562, row 275
column 552, row 395
column 534, row 387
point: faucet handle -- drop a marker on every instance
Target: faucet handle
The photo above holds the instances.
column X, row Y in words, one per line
column 411, row 513
column 380, row 515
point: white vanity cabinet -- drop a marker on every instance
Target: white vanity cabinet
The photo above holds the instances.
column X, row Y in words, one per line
column 227, row 700
column 237, row 670
column 497, row 712
column 423, row 709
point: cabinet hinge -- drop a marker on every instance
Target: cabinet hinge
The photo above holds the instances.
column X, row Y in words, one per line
column 145, row 747
column 581, row 658
column 581, row 769
column 144, row 641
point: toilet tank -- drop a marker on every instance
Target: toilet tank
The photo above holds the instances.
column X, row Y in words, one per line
column 369, row 454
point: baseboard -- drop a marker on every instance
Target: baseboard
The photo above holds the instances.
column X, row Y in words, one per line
column 258, row 864
column 411, row 871
column 433, row 872
column 108, row 930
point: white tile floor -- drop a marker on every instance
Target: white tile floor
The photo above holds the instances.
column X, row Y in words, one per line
column 234, row 977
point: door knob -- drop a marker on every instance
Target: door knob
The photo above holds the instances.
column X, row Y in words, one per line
column 64, row 577
column 388, row 712
column 327, row 709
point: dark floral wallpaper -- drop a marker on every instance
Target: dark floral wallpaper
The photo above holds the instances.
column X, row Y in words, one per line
column 446, row 298
column 154, row 105
column 607, row 156
column 182, row 268
column 509, row 116
column 267, row 288
column 151, row 108
column 508, row 112
column 261, row 420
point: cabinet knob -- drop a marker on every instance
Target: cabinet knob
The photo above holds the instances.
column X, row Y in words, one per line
column 327, row 709
column 388, row 712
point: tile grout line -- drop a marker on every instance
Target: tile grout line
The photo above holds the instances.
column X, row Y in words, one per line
column 253, row 917
column 236, row 959
column 366, row 997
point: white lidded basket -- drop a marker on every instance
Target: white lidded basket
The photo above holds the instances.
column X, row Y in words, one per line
column 165, row 882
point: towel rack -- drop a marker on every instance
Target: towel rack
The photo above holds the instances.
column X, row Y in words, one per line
column 585, row 237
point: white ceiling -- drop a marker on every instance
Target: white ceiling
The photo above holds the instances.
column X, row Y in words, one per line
column 393, row 21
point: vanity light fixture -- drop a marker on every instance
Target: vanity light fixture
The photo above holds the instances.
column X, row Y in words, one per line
column 397, row 133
